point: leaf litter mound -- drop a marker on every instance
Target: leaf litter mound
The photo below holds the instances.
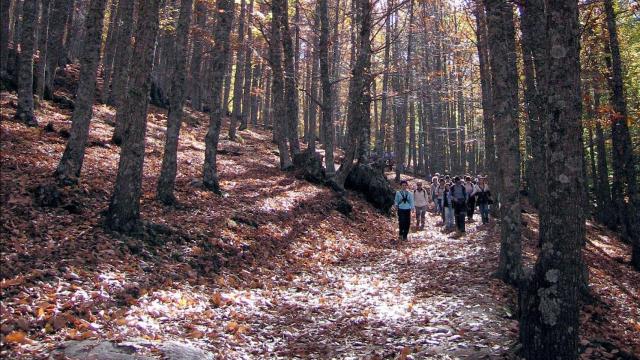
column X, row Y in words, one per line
column 269, row 269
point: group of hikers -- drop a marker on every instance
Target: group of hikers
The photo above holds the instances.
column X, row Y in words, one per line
column 453, row 198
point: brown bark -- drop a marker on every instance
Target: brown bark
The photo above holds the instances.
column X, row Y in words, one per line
column 69, row 167
column 24, row 112
column 327, row 96
column 4, row 36
column 603, row 196
column 238, row 79
column 109, row 54
column 221, row 51
column 42, row 47
column 267, row 103
column 167, row 178
column 121, row 74
column 290, row 85
column 360, row 101
column 313, row 85
column 501, row 39
column 408, row 108
column 485, row 81
column 549, row 303
column 124, row 208
column 247, row 88
column 278, row 8
column 17, row 24
column 380, row 141
column 195, row 81
column 534, row 51
column 255, row 91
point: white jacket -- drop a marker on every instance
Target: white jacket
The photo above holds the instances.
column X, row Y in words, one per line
column 420, row 198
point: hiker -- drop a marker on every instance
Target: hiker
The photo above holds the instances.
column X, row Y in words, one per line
column 420, row 199
column 447, row 207
column 483, row 198
column 471, row 189
column 404, row 203
column 434, row 197
column 439, row 197
column 459, row 198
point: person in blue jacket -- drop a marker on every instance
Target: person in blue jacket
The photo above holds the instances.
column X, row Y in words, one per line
column 404, row 204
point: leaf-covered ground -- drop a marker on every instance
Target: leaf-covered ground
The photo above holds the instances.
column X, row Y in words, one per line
column 270, row 269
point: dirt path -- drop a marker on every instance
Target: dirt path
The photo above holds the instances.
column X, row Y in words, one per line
column 433, row 297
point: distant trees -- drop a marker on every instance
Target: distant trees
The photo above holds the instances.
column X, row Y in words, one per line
column 625, row 179
column 59, row 14
column 432, row 85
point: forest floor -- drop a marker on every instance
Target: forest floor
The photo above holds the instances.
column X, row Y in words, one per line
column 269, row 269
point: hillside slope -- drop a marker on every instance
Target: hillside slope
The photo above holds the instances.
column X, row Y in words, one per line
column 270, row 268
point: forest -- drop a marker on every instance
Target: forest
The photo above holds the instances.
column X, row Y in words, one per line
column 227, row 179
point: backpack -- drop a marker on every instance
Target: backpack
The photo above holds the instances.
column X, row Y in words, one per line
column 455, row 189
column 405, row 197
column 424, row 191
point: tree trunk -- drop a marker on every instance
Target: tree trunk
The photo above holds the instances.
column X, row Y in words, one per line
column 462, row 157
column 400, row 125
column 109, row 54
column 238, row 79
column 376, row 119
column 121, row 75
column 625, row 181
column 439, row 133
column 68, row 170
column 255, row 93
column 360, row 102
column 290, row 85
column 327, row 96
column 280, row 123
column 549, row 304
column 334, row 69
column 267, row 103
column 313, row 107
column 17, row 23
column 380, row 141
column 603, row 197
column 124, row 208
column 487, row 98
column 246, row 100
column 24, row 112
column 74, row 34
column 42, row 48
column 167, row 178
column 535, row 53
column 60, row 12
column 221, row 51
column 408, row 83
column 4, row 37
column 505, row 108
column 195, row 81
column 227, row 84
